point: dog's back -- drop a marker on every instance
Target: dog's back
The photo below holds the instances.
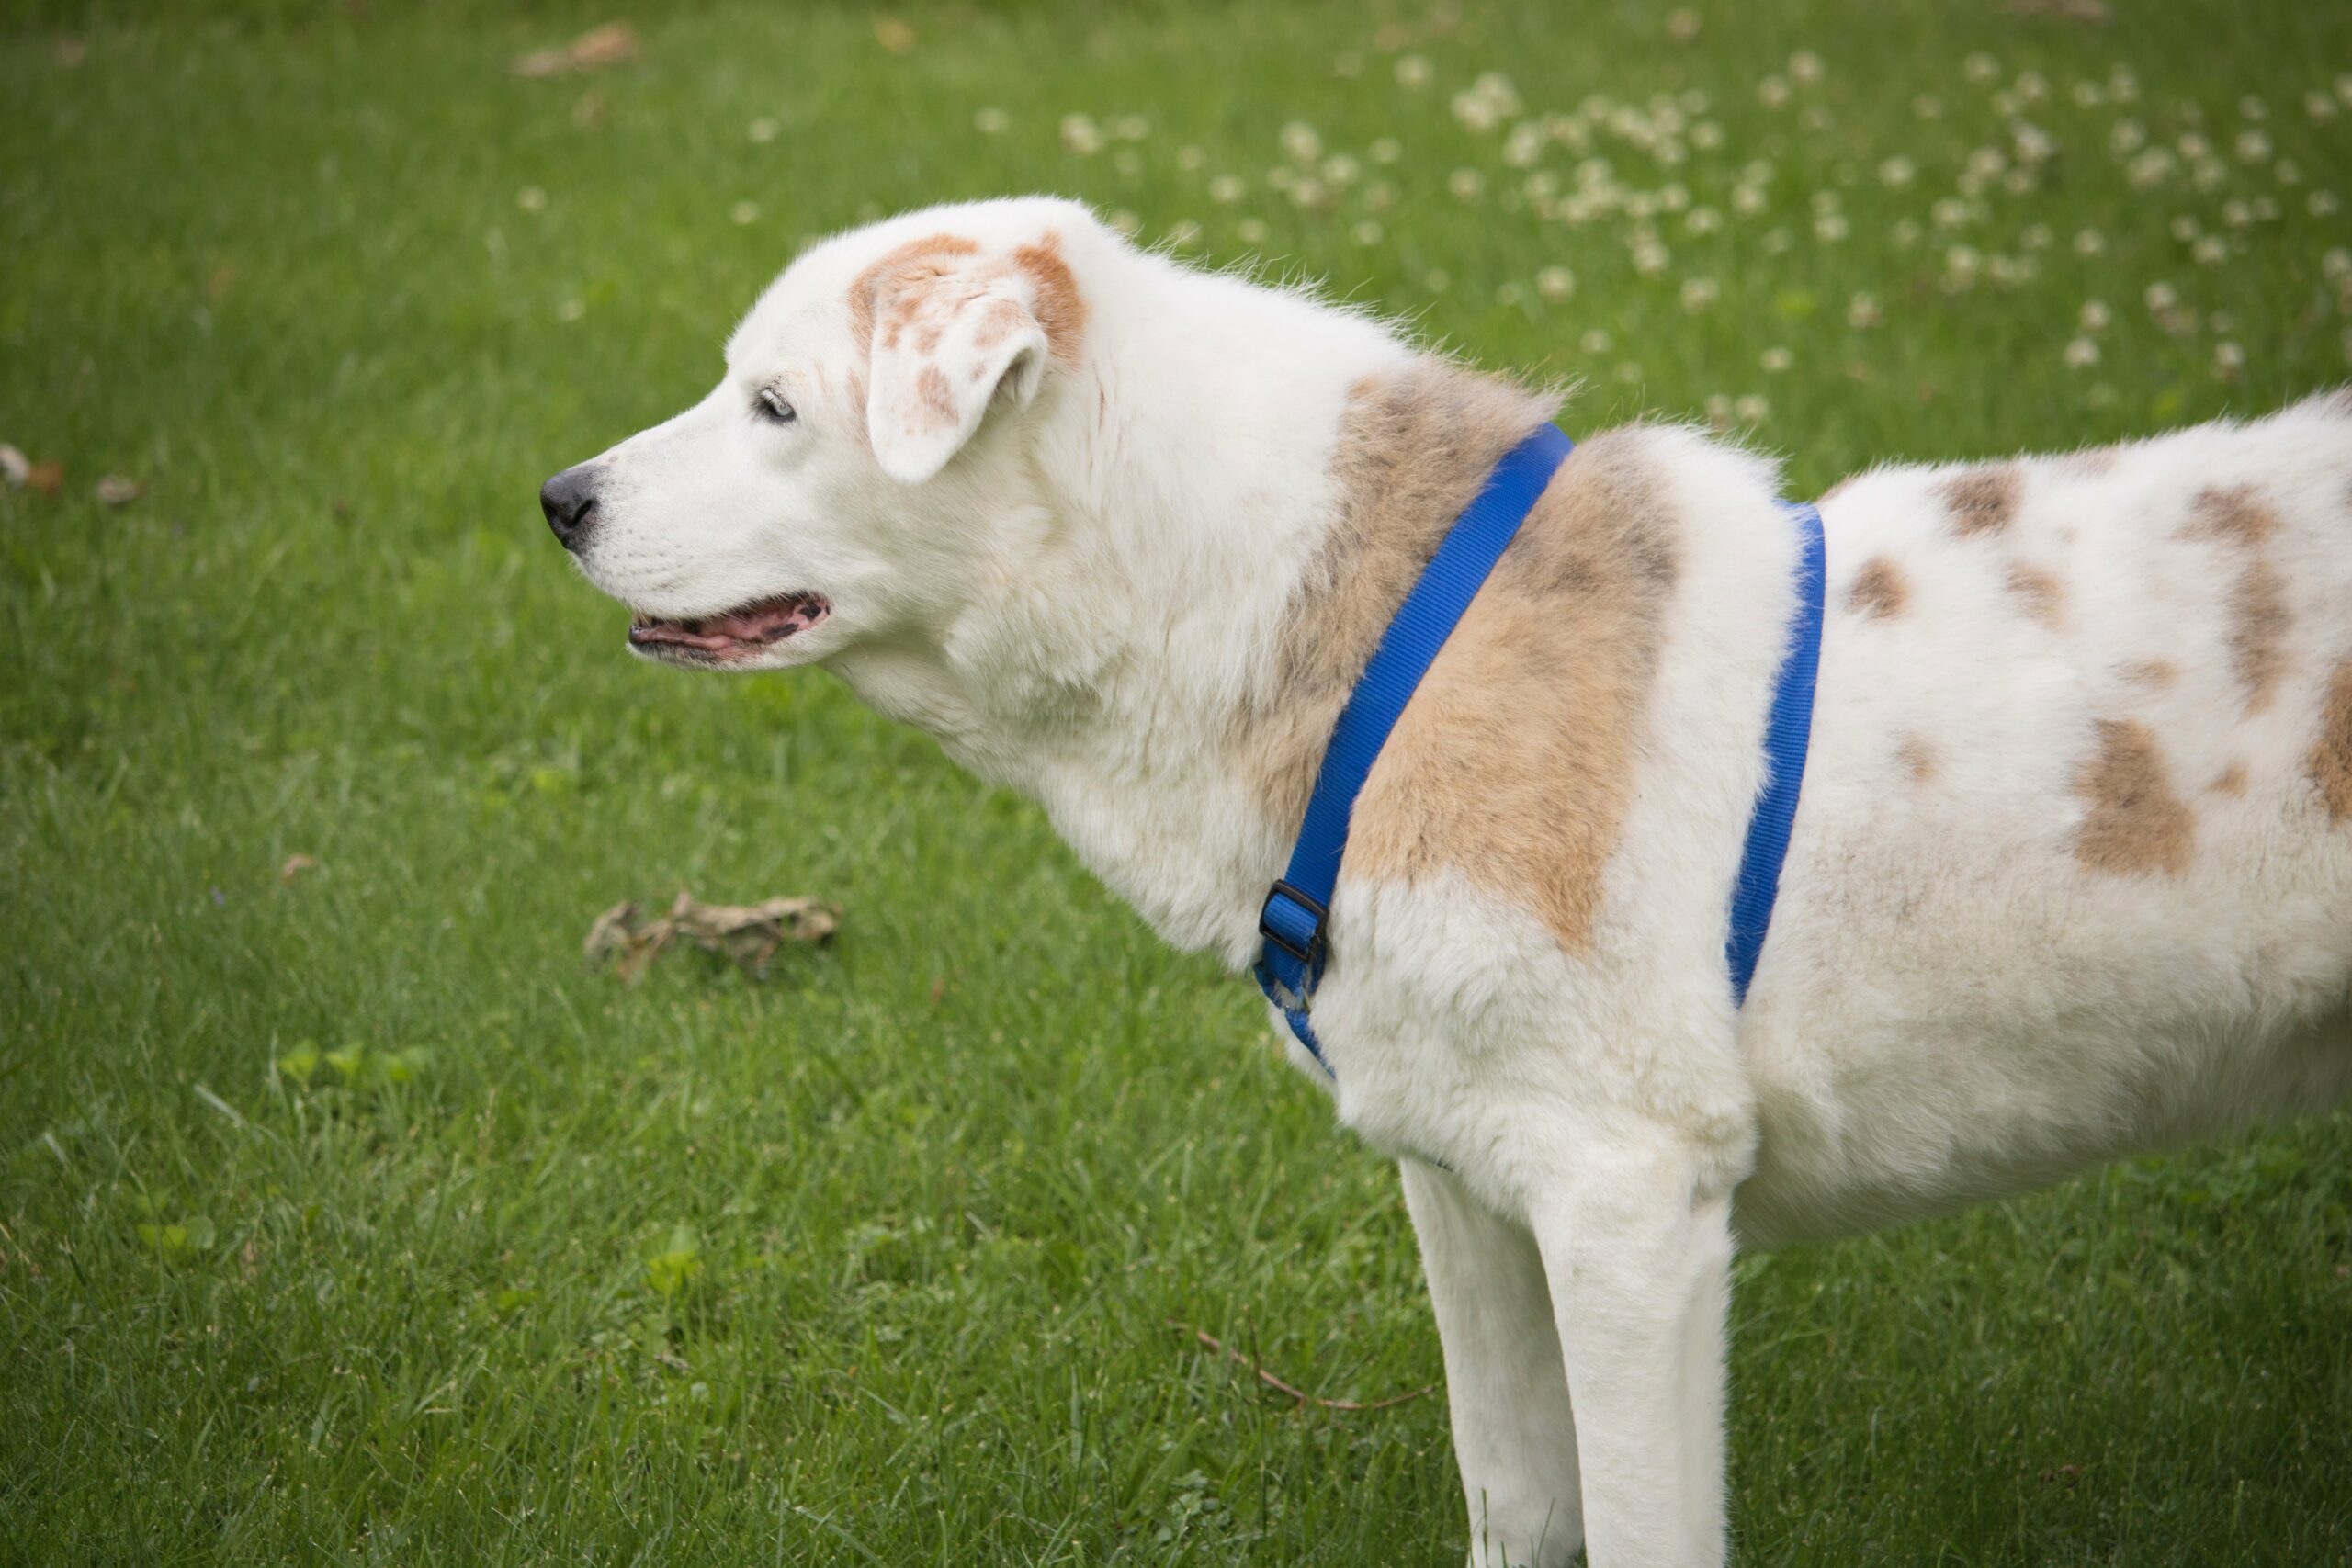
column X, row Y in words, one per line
column 2073, row 871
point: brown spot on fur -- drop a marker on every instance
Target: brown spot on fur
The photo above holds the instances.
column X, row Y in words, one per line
column 1513, row 765
column 913, row 261
column 2151, row 673
column 2330, row 757
column 2231, row 781
column 938, row 397
column 2258, row 623
column 1982, row 501
column 2046, row 601
column 2235, row 516
column 1918, row 758
column 1060, row 309
column 1877, row 590
column 2136, row 824
column 998, row 322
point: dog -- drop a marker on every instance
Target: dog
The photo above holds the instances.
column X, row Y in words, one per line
column 2071, row 871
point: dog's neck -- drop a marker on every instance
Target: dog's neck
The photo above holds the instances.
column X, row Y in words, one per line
column 1218, row 534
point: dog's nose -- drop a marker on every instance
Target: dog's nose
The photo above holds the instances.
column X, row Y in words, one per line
column 569, row 501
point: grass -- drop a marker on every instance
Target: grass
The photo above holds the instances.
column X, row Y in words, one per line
column 873, row 1262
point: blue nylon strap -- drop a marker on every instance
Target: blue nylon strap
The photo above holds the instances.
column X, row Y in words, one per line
column 1786, row 737
column 1291, row 961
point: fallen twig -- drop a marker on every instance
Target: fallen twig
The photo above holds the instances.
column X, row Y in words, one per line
column 1300, row 1394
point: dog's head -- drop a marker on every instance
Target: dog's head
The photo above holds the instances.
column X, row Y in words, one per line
column 847, row 479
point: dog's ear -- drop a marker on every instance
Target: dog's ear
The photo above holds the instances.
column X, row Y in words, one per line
column 949, row 342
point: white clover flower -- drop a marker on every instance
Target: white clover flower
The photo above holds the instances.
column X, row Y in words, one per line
column 1830, row 228
column 1184, row 232
column 1682, row 25
column 1751, row 409
column 1340, row 170
column 1226, row 189
column 1439, row 280
column 531, row 198
column 1555, row 283
column 1366, row 232
column 2337, row 265
column 1467, row 184
column 2031, row 87
column 1412, row 71
column 1706, row 136
column 763, row 131
column 2161, row 298
column 2210, row 250
column 1191, row 158
column 2090, row 242
column 1805, row 66
column 1905, row 232
column 2007, row 272
column 745, row 212
column 1896, row 172
column 1704, row 221
column 1524, row 145
column 1927, row 105
column 1699, row 294
column 1775, row 360
column 1949, row 212
column 2229, row 359
column 2185, row 227
column 1748, row 201
column 2122, row 85
column 1387, row 150
column 1778, row 241
column 1980, row 67
column 2081, row 354
column 2149, row 169
column 1862, row 312
column 1718, row 408
column 2344, row 87
column 1596, row 341
column 2252, row 146
column 1131, row 128
column 1380, row 195
column 1301, row 143
column 1309, row 192
column 2127, row 136
column 1125, row 222
column 2286, row 172
column 1628, row 373
column 2321, row 203
column 988, row 121
column 1772, row 92
column 1081, row 135
column 2193, row 146
column 2094, row 316
column 2319, row 106
column 1650, row 258
column 2087, row 95
column 1281, row 177
column 1251, row 231
column 2237, row 214
column 2035, row 237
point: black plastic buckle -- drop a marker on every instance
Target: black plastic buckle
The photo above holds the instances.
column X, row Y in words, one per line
column 1312, row 954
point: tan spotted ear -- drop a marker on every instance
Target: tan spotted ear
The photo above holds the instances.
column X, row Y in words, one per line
column 951, row 338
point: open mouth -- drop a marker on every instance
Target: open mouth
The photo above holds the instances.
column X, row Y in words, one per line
column 738, row 634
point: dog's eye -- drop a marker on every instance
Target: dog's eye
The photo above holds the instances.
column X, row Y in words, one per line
column 773, row 405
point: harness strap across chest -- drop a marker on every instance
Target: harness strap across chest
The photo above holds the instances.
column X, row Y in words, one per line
column 1295, row 950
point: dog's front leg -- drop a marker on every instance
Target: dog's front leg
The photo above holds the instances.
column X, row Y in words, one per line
column 1638, row 1259
column 1514, row 1436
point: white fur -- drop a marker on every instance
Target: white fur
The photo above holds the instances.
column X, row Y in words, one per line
column 1078, row 588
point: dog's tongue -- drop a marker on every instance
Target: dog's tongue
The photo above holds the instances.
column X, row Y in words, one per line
column 752, row 626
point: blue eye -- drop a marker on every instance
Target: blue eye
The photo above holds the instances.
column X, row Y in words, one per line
column 775, row 406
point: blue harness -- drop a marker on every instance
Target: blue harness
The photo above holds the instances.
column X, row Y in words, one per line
column 1290, row 963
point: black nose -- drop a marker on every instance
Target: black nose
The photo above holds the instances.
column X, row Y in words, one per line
column 569, row 502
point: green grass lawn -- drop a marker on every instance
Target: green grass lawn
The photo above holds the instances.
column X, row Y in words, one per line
column 352, row 1218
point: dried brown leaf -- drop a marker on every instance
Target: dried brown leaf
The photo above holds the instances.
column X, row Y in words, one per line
column 295, row 866
column 747, row 934
column 118, row 490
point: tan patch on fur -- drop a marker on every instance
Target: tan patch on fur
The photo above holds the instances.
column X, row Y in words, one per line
column 938, row 397
column 1982, row 501
column 2151, row 673
column 2231, row 781
column 1918, row 758
column 998, row 323
column 2046, row 601
column 2136, row 824
column 1877, row 590
column 2259, row 620
column 911, row 262
column 2235, row 516
column 2331, row 756
column 1060, row 309
column 1513, row 765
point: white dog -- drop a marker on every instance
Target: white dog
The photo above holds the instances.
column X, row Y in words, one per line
column 2072, row 869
